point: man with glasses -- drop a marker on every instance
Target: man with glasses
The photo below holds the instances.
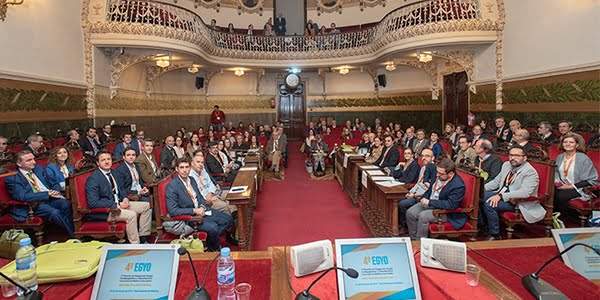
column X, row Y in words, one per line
column 466, row 155
column 390, row 156
column 90, row 143
column 521, row 138
column 149, row 169
column 517, row 179
column 138, row 143
column 446, row 192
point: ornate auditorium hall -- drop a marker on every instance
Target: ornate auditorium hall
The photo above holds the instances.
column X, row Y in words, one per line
column 299, row 149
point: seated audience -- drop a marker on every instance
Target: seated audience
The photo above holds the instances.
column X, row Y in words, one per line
column 168, row 154
column 409, row 138
column 364, row 145
column 148, row 167
column 477, row 133
column 466, row 155
column 194, row 145
column 545, row 133
column 406, row 171
column 460, row 131
column 514, row 126
column 517, row 179
column 90, row 143
column 390, row 155
column 425, row 177
column 574, row 171
column 120, row 147
column 240, row 144
column 319, row 151
column 503, row 133
column 521, row 138
column 215, row 165
column 446, row 192
column 35, row 144
column 138, row 143
column 59, row 167
column 488, row 163
column 103, row 191
column 72, row 140
column 254, row 144
column 184, row 199
column 210, row 190
column 434, row 145
column 30, row 185
column 420, row 143
column 564, row 127
column 375, row 152
column 5, row 155
column 128, row 178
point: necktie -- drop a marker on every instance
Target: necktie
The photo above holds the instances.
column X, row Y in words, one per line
column 33, row 182
column 113, row 186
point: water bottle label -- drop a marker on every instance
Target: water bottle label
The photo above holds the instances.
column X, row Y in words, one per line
column 226, row 276
column 24, row 263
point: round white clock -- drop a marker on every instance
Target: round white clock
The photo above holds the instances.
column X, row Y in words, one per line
column 292, row 80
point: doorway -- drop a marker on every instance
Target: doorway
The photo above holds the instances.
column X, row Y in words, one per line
column 291, row 110
column 456, row 98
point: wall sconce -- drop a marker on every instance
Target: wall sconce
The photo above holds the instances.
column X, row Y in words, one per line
column 4, row 7
column 344, row 70
column 390, row 66
column 239, row 72
column 163, row 62
column 425, row 56
column 194, row 68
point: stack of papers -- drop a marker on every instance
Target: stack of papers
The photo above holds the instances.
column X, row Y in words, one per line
column 382, row 178
column 390, row 183
column 375, row 172
column 369, row 167
column 249, row 169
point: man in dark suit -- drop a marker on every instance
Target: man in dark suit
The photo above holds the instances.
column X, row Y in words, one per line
column 102, row 191
column 35, row 145
column 409, row 138
column 215, row 166
column 486, row 160
column 128, row 178
column 106, row 136
column 149, row 170
column 90, row 144
column 446, row 192
column 521, row 138
column 503, row 132
column 138, row 143
column 420, row 143
column 239, row 143
column 30, row 185
column 545, row 133
column 120, row 147
column 477, row 133
column 279, row 23
column 167, row 154
column 185, row 199
column 390, row 155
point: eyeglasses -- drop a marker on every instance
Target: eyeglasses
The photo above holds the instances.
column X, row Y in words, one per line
column 516, row 155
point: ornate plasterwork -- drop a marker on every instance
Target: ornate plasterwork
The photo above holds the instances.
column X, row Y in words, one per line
column 463, row 58
column 216, row 4
column 119, row 63
column 500, row 54
column 88, row 62
column 153, row 72
column 250, row 6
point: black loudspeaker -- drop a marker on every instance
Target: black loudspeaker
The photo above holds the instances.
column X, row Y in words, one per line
column 381, row 80
column 199, row 82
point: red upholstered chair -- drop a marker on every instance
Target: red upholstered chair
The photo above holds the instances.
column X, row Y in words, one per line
column 447, row 147
column 83, row 227
column 156, row 153
column 110, row 147
column 42, row 161
column 8, row 222
column 161, row 213
column 77, row 155
column 545, row 196
column 553, row 151
column 470, row 206
column 263, row 140
column 58, row 141
column 584, row 208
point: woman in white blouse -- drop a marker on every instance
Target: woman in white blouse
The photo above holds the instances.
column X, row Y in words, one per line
column 574, row 171
column 179, row 150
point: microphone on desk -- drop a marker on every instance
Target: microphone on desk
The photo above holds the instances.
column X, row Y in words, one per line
column 199, row 293
column 541, row 289
column 306, row 295
column 28, row 294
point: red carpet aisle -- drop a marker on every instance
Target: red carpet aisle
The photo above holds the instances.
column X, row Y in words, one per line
column 299, row 210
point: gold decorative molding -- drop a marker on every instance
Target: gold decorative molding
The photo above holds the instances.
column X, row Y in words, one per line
column 88, row 61
column 500, row 54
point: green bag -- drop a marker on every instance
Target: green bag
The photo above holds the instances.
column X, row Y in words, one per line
column 192, row 244
column 9, row 242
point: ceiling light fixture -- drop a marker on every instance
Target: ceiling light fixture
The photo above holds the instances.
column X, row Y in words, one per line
column 390, row 66
column 425, row 56
column 194, row 68
column 163, row 62
column 344, row 70
column 239, row 72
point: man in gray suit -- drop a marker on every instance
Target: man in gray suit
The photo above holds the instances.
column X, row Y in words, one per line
column 517, row 179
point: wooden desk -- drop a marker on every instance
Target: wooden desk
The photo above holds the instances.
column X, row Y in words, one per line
column 255, row 160
column 380, row 211
column 351, row 177
column 244, row 202
column 338, row 169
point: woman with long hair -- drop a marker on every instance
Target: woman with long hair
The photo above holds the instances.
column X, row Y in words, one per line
column 434, row 144
column 376, row 151
column 193, row 145
column 60, row 167
column 178, row 147
column 574, row 171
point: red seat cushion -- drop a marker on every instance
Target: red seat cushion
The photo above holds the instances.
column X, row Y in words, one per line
column 165, row 236
column 553, row 151
column 470, row 193
column 581, row 204
column 9, row 220
column 162, row 196
column 511, row 216
column 100, row 227
column 446, row 226
column 80, row 195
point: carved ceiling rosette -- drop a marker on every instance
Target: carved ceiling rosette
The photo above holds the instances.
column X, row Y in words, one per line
column 370, row 3
column 329, row 6
column 119, row 63
column 216, row 4
column 250, row 6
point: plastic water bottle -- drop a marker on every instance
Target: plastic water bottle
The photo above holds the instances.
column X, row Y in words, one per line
column 26, row 266
column 226, row 275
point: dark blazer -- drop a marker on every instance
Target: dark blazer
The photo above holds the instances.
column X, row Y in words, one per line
column 409, row 174
column 87, row 147
column 124, row 179
column 279, row 26
column 179, row 201
column 135, row 144
column 437, row 150
column 118, row 151
column 99, row 191
column 430, row 173
column 492, row 165
column 408, row 143
column 213, row 165
column 390, row 160
column 19, row 189
column 417, row 148
column 167, row 157
column 104, row 139
column 55, row 176
column 528, row 147
column 503, row 134
column 451, row 196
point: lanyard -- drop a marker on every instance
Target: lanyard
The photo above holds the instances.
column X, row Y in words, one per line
column 190, row 190
column 33, row 182
column 567, row 165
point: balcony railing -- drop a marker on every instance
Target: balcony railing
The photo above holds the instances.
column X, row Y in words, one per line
column 155, row 18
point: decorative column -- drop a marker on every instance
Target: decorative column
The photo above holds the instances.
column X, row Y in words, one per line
column 88, row 63
column 500, row 55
